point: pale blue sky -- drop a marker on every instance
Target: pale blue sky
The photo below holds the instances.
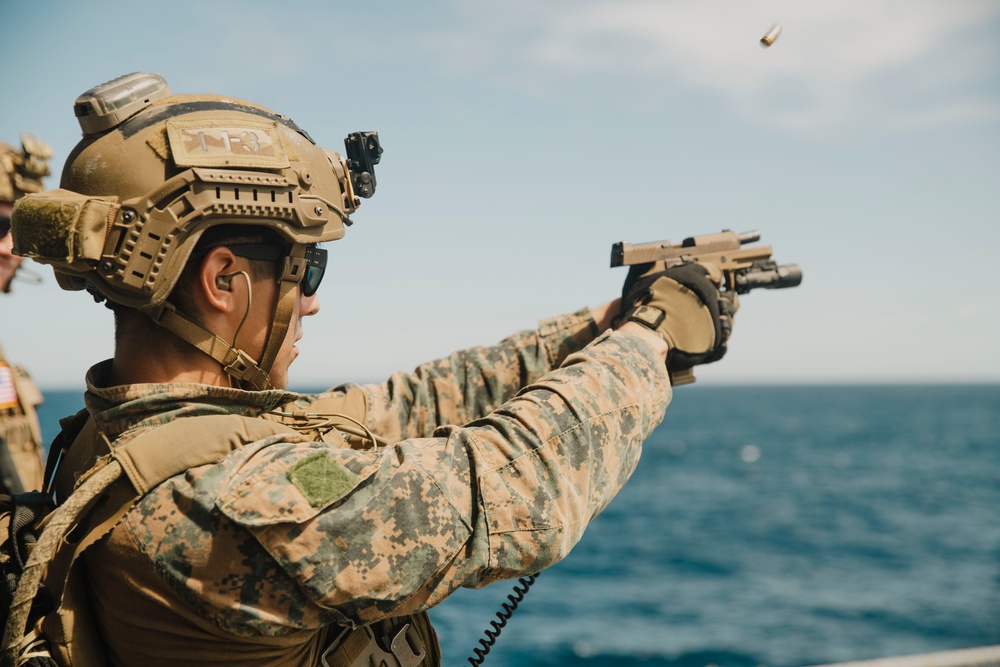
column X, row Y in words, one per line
column 523, row 138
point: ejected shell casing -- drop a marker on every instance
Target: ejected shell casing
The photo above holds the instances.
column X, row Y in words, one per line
column 772, row 34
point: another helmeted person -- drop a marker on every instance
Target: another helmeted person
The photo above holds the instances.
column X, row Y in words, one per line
column 21, row 172
column 221, row 519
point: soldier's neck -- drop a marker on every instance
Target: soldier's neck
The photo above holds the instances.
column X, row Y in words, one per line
column 142, row 364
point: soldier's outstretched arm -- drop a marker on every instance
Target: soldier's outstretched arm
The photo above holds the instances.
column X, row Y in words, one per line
column 471, row 383
column 402, row 527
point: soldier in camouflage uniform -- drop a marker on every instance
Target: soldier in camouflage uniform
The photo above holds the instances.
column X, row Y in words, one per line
column 21, row 172
column 325, row 543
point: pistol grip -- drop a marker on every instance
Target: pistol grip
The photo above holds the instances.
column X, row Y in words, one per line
column 678, row 378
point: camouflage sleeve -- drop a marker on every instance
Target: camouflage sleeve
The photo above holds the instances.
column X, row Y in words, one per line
column 471, row 383
column 368, row 535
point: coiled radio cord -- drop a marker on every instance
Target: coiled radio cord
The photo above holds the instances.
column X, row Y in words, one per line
column 506, row 611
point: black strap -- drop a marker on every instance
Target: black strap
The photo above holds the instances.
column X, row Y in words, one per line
column 71, row 427
column 10, row 481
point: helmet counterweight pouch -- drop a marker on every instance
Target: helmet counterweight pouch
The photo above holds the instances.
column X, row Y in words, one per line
column 62, row 227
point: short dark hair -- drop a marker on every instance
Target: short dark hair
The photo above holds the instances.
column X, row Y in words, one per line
column 128, row 321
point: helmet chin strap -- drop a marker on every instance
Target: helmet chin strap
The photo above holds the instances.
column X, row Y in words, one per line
column 245, row 371
column 288, row 293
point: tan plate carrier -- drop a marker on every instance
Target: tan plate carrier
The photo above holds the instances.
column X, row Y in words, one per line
column 102, row 497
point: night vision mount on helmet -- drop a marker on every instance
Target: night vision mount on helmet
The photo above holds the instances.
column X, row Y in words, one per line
column 155, row 170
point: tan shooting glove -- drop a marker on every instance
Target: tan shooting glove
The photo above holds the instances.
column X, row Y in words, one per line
column 685, row 306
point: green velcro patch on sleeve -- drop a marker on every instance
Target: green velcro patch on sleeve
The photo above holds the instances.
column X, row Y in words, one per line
column 321, row 479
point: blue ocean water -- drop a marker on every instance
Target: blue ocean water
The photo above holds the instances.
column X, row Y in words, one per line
column 778, row 526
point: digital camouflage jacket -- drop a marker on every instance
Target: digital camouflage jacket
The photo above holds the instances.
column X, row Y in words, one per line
column 499, row 458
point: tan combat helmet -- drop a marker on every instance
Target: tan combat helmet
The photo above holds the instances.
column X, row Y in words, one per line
column 155, row 170
column 22, row 171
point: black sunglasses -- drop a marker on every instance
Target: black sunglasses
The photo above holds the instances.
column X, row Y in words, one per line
column 315, row 259
column 4, row 226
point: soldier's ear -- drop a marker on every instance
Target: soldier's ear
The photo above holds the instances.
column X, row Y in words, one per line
column 215, row 274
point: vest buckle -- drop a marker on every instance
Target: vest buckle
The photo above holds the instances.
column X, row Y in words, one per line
column 361, row 648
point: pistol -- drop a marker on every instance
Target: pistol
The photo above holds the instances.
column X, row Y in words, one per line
column 743, row 269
